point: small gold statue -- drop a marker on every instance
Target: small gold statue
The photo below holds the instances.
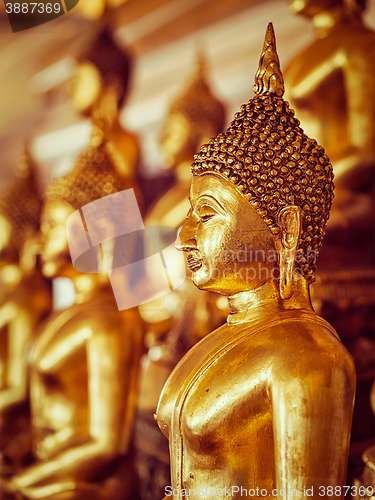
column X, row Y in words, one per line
column 98, row 91
column 331, row 87
column 194, row 116
column 177, row 322
column 25, row 300
column 264, row 403
column 84, row 365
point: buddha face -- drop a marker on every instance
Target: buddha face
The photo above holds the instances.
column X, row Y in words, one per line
column 176, row 143
column 86, row 87
column 229, row 247
column 54, row 252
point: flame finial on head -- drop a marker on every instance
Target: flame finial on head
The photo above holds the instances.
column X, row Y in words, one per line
column 197, row 101
column 269, row 79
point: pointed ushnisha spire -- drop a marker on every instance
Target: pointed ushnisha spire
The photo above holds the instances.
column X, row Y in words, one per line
column 197, row 101
column 269, row 79
column 201, row 64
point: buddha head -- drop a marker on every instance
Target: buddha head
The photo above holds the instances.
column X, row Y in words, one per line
column 102, row 74
column 260, row 195
column 93, row 176
column 194, row 116
column 20, row 209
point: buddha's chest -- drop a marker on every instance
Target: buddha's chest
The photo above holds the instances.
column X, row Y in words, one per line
column 225, row 403
column 61, row 342
column 217, row 391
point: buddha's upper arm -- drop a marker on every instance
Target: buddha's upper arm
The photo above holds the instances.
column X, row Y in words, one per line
column 312, row 404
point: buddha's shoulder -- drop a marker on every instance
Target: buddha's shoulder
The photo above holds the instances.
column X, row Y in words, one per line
column 96, row 318
column 302, row 339
column 297, row 331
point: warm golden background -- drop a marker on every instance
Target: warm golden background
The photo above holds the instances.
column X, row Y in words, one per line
column 35, row 66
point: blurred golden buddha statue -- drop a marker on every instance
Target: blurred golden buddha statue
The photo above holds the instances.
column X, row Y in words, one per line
column 25, row 299
column 331, row 86
column 176, row 322
column 84, row 366
column 98, row 91
column 194, row 116
column 265, row 401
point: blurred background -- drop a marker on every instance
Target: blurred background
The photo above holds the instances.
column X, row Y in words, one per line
column 163, row 35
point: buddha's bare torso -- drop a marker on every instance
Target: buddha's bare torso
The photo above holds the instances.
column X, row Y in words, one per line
column 246, row 393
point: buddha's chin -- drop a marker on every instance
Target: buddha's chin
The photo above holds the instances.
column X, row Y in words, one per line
column 201, row 279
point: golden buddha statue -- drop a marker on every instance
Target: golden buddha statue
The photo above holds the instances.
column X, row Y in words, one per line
column 264, row 403
column 98, row 91
column 84, row 365
column 194, row 116
column 176, row 322
column 25, row 300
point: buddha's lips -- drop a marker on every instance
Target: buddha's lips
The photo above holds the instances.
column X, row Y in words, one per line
column 194, row 262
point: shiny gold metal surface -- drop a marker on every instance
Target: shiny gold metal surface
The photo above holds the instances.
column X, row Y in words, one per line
column 85, row 363
column 24, row 301
column 264, row 402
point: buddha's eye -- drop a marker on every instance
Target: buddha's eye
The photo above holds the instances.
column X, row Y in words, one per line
column 206, row 213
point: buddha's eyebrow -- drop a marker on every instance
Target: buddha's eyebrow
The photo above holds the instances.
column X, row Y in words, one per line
column 211, row 201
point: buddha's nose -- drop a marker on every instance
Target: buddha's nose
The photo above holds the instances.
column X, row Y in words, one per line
column 186, row 237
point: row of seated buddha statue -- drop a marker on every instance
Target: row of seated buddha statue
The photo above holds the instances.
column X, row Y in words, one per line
column 82, row 363
column 266, row 400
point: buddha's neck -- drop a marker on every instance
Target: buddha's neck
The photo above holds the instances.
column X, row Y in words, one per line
column 265, row 300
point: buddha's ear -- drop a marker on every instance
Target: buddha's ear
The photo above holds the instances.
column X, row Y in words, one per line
column 289, row 220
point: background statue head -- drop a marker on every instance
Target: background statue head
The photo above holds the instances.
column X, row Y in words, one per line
column 20, row 209
column 284, row 176
column 103, row 72
column 194, row 116
column 94, row 176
